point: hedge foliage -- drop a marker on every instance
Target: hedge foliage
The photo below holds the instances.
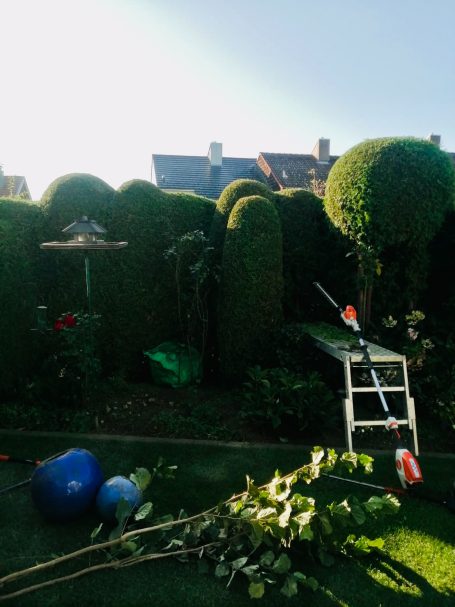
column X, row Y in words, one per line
column 141, row 287
column 240, row 188
column 20, row 233
column 250, row 310
column 63, row 275
column 390, row 196
column 312, row 251
column 389, row 191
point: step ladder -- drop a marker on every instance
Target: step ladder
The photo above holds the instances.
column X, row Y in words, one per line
column 386, row 363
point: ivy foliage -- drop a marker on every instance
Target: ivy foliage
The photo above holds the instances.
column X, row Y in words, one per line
column 249, row 307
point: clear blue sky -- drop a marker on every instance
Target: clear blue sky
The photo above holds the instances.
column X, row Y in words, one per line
column 98, row 86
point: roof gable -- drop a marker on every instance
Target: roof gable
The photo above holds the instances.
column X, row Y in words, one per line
column 196, row 174
column 294, row 170
column 14, row 185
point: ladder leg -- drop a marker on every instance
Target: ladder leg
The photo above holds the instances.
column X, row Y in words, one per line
column 348, row 415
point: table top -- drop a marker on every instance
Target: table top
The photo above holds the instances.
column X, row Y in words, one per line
column 332, row 340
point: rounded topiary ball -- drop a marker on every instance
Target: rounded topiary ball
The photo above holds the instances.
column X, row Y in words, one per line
column 110, row 494
column 64, row 486
column 389, row 191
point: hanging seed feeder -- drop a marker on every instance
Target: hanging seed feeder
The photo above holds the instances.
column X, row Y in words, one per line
column 85, row 233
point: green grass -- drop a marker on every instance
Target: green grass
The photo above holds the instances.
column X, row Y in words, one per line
column 420, row 540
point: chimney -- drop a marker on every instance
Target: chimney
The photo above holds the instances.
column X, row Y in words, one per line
column 321, row 150
column 215, row 154
column 436, row 139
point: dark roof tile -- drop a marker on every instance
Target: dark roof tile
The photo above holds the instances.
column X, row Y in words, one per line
column 295, row 170
column 195, row 173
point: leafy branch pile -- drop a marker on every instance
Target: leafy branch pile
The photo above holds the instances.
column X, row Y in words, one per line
column 261, row 534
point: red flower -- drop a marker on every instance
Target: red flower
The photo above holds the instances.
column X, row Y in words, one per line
column 59, row 325
column 69, row 320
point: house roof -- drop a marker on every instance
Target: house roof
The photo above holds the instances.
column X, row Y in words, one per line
column 196, row 174
column 14, row 185
column 293, row 170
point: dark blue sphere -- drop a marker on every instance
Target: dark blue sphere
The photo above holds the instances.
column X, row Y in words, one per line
column 64, row 486
column 112, row 491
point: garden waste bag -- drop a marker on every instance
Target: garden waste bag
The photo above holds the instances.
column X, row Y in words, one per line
column 174, row 364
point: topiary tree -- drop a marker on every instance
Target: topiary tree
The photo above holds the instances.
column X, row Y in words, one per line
column 391, row 193
column 240, row 188
column 251, row 288
column 313, row 250
column 20, row 231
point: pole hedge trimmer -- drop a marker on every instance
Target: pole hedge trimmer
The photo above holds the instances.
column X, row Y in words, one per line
column 407, row 467
column 17, row 460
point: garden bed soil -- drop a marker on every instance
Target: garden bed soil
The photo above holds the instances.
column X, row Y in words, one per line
column 203, row 412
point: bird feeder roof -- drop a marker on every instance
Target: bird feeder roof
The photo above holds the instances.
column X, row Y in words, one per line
column 84, row 226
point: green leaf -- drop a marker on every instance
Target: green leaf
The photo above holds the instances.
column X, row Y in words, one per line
column 327, row 528
column 363, row 545
column 123, row 510
column 289, row 587
column 222, row 569
column 129, row 546
column 312, row 583
column 239, row 563
column 96, row 531
column 282, row 564
column 266, row 513
column 141, row 478
column 357, row 512
column 283, row 519
column 317, row 454
column 144, row 512
column 366, row 461
column 267, row 558
column 256, row 590
column 306, row 533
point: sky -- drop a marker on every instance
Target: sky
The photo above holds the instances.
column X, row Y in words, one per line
column 98, row 86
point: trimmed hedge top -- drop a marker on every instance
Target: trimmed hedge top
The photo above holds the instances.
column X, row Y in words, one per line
column 389, row 191
column 240, row 188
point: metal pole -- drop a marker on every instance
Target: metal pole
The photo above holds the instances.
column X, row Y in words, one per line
column 87, row 283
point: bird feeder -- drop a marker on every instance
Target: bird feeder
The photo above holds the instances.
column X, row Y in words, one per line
column 85, row 233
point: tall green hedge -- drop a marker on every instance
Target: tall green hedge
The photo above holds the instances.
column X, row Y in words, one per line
column 250, row 309
column 142, row 287
column 313, row 250
column 20, row 232
column 240, row 188
column 62, row 272
column 390, row 196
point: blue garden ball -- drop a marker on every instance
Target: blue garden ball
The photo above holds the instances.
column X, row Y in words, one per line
column 112, row 491
column 65, row 486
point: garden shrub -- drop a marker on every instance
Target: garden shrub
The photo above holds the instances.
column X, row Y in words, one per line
column 62, row 278
column 20, row 232
column 142, row 289
column 286, row 401
column 390, row 196
column 250, row 309
column 313, row 250
column 240, row 188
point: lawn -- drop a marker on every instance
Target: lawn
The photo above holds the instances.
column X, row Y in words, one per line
column 420, row 539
